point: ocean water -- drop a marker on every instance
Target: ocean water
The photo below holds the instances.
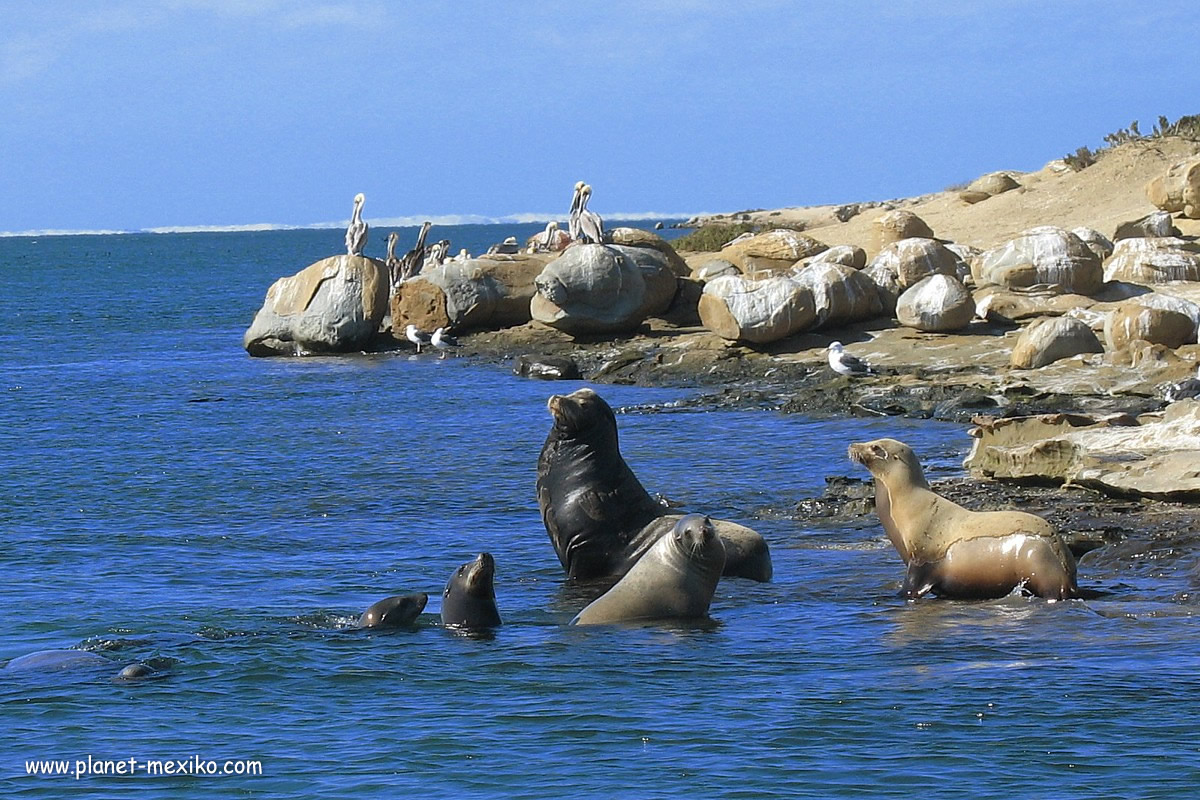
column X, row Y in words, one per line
column 169, row 500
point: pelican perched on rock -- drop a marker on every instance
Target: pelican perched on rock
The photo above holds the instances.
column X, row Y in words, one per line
column 549, row 237
column 463, row 255
column 573, row 214
column 410, row 265
column 436, row 254
column 356, row 231
column 590, row 224
column 393, row 263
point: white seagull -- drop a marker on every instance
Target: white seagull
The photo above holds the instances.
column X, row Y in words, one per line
column 444, row 341
column 416, row 336
column 843, row 363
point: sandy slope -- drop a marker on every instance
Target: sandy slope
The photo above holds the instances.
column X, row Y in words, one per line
column 1109, row 192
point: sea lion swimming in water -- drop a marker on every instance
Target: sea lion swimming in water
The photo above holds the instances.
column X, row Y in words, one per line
column 675, row 579
column 396, row 611
column 469, row 600
column 954, row 552
column 600, row 518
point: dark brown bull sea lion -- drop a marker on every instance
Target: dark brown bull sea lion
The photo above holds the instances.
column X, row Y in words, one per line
column 954, row 552
column 599, row 517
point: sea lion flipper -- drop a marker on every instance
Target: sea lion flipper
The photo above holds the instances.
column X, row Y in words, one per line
column 918, row 580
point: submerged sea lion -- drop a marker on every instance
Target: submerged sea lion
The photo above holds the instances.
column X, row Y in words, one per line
column 599, row 517
column 469, row 600
column 394, row 612
column 675, row 579
column 952, row 551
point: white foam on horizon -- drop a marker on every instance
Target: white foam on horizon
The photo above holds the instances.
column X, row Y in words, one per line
column 377, row 222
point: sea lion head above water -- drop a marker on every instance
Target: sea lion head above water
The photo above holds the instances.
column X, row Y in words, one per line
column 469, row 600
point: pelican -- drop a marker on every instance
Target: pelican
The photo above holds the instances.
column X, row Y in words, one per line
column 410, row 265
column 356, row 231
column 573, row 214
column 393, row 263
column 416, row 336
column 463, row 255
column 590, row 224
column 444, row 341
column 550, row 235
column 436, row 254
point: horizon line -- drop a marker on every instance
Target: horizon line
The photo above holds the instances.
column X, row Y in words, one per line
column 413, row 221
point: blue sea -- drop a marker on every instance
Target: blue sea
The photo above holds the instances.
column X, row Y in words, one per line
column 169, row 500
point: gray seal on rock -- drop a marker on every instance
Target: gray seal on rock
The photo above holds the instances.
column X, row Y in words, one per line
column 675, row 579
column 469, row 600
column 396, row 611
column 600, row 518
column 952, row 551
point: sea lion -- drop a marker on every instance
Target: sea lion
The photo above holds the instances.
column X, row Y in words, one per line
column 954, row 552
column 469, row 600
column 599, row 517
column 675, row 579
column 396, row 611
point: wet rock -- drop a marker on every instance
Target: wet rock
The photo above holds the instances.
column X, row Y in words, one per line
column 546, row 368
column 840, row 294
column 1042, row 256
column 737, row 308
column 1178, row 190
column 897, row 225
column 333, row 306
column 1050, row 340
column 1155, row 225
column 1149, row 260
column 939, row 303
column 1156, row 457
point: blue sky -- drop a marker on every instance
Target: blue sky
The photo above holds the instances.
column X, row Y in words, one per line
column 130, row 115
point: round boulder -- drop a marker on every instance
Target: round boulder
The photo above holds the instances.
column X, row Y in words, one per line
column 914, row 259
column 1042, row 256
column 993, row 183
column 938, row 303
column 1132, row 321
column 1050, row 340
column 591, row 288
column 1154, row 260
column 1178, row 190
column 841, row 294
column 759, row 311
column 1157, row 224
column 896, row 225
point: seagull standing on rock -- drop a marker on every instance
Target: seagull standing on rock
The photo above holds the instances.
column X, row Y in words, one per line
column 444, row 341
column 416, row 336
column 843, row 363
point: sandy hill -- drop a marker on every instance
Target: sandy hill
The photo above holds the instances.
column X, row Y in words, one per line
column 1100, row 196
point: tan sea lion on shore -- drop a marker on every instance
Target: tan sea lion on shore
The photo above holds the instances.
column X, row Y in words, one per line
column 675, row 579
column 953, row 551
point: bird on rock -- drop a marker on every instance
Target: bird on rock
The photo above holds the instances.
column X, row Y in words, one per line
column 416, row 336
column 843, row 363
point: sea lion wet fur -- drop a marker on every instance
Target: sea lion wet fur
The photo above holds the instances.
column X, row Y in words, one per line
column 952, row 551
column 600, row 518
column 675, row 579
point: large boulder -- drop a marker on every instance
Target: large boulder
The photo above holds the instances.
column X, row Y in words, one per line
column 993, row 183
column 759, row 311
column 636, row 237
column 771, row 251
column 595, row 288
column 848, row 254
column 896, row 225
column 482, row 293
column 1042, row 256
column 1152, row 457
column 914, row 259
column 1178, row 190
column 841, row 294
column 1156, row 225
column 1096, row 241
column 333, row 306
column 1154, row 260
column 658, row 274
column 1133, row 321
column 1050, row 340
column 938, row 303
